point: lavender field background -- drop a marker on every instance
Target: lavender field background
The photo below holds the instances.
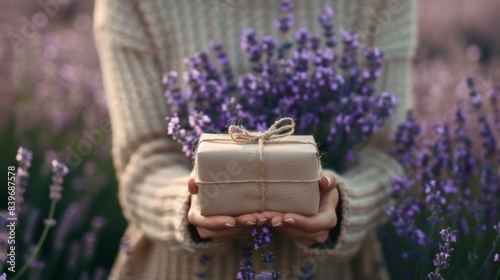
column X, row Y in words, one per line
column 52, row 102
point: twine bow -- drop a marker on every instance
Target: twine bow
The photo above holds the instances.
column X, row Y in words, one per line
column 243, row 136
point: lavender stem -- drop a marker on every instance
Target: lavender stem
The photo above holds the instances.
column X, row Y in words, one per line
column 39, row 244
column 489, row 257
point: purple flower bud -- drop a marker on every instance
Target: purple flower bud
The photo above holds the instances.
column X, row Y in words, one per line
column 24, row 157
column 49, row 222
column 89, row 245
column 286, row 6
column 285, row 23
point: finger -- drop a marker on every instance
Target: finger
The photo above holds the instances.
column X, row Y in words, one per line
column 326, row 217
column 261, row 219
column 193, row 188
column 246, row 220
column 321, row 221
column 319, row 237
column 277, row 221
column 327, row 181
column 329, row 200
column 274, row 219
column 269, row 215
column 211, row 222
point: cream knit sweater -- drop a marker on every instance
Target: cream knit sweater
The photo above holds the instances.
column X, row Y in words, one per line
column 138, row 41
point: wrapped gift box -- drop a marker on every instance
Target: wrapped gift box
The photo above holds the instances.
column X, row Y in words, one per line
column 236, row 178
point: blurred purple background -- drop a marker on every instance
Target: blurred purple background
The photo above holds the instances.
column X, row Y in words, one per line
column 51, row 93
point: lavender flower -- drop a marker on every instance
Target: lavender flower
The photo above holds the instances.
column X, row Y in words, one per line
column 474, row 96
column 325, row 17
column 261, row 238
column 434, row 201
column 306, row 273
column 246, row 266
column 24, row 158
column 443, row 257
column 449, row 183
column 204, row 262
column 496, row 227
column 403, row 219
column 284, row 23
column 286, row 6
column 59, row 170
column 285, row 78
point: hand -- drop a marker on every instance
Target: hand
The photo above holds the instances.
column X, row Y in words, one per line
column 314, row 229
column 221, row 228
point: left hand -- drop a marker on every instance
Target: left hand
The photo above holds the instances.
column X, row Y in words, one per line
column 313, row 229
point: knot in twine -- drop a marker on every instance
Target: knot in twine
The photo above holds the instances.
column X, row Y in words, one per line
column 240, row 135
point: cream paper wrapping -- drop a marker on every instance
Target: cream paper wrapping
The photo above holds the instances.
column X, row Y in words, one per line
column 229, row 178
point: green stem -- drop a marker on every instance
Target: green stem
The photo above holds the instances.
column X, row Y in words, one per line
column 498, row 274
column 476, row 245
column 488, row 257
column 38, row 245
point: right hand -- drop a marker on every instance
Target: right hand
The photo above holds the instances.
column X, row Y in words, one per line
column 221, row 228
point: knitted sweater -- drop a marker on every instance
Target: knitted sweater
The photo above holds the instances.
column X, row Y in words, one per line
column 138, row 40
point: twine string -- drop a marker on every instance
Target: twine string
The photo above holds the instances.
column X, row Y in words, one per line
column 277, row 130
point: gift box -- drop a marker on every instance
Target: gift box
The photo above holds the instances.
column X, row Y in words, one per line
column 250, row 172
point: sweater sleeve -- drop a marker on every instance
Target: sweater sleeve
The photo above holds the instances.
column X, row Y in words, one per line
column 151, row 170
column 364, row 198
column 394, row 29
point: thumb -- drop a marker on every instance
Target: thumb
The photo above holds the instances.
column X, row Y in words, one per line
column 193, row 188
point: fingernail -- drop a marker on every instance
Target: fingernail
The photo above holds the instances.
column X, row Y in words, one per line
column 278, row 224
column 250, row 223
column 329, row 180
column 229, row 225
column 262, row 221
column 290, row 221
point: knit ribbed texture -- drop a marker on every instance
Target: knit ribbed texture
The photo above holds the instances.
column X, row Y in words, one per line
column 138, row 40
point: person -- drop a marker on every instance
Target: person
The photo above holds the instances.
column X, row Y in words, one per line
column 138, row 41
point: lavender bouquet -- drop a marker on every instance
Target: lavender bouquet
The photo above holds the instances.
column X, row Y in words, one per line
column 451, row 188
column 331, row 95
